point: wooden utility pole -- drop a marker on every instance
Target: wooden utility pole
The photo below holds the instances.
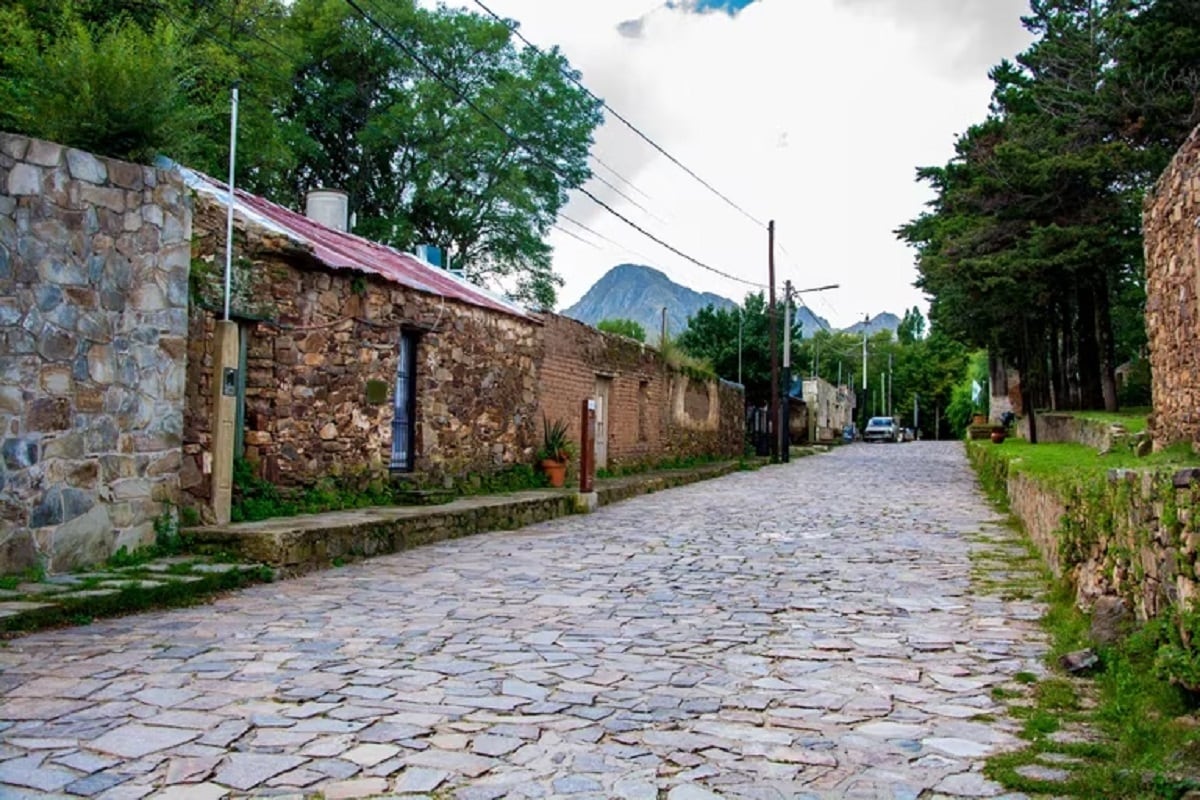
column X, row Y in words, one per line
column 785, row 389
column 774, row 343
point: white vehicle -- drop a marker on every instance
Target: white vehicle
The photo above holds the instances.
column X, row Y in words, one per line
column 881, row 429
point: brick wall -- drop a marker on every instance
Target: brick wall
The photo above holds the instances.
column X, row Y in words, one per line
column 93, row 294
column 321, row 336
column 1172, row 242
column 655, row 412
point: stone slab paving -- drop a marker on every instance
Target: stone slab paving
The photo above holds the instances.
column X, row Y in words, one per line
column 804, row 631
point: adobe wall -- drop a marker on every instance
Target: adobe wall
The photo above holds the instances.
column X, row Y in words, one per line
column 93, row 314
column 1171, row 227
column 655, row 411
column 320, row 336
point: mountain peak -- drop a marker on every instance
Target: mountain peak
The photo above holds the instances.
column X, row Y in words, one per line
column 639, row 293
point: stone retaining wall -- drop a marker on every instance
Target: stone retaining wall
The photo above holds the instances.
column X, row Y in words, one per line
column 1133, row 534
column 94, row 260
column 1171, row 228
column 1064, row 428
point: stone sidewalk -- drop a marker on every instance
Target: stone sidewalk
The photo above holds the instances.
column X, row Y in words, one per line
column 803, row 631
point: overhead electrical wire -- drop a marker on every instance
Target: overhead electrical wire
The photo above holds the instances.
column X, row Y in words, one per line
column 625, row 248
column 515, row 30
column 575, row 236
column 462, row 98
column 621, row 177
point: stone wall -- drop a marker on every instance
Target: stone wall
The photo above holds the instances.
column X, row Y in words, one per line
column 1064, row 428
column 1171, row 226
column 316, row 338
column 93, row 314
column 1131, row 534
column 655, row 411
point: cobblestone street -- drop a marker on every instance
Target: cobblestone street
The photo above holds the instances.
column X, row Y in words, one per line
column 807, row 630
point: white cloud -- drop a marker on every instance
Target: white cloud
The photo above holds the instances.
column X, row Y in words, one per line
column 814, row 114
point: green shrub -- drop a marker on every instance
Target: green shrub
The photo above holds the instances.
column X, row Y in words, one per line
column 116, row 90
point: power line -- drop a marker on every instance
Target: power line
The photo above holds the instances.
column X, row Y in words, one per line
column 621, row 177
column 625, row 248
column 617, row 115
column 575, row 236
column 462, row 98
column 633, row 202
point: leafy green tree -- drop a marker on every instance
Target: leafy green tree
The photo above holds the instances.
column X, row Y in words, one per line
column 712, row 334
column 912, row 327
column 422, row 166
column 1032, row 248
column 625, row 327
column 116, row 89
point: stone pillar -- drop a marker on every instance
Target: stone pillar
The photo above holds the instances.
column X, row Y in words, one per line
column 225, row 368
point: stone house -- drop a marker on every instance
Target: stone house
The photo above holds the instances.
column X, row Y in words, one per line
column 356, row 359
column 1171, row 228
column 830, row 409
column 94, row 259
column 646, row 409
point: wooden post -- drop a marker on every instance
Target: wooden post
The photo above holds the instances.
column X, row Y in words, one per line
column 224, row 383
column 775, row 421
column 587, row 447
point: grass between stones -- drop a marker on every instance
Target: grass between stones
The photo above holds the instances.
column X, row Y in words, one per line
column 1122, row 731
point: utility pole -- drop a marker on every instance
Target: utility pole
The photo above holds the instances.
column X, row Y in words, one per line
column 785, row 424
column 916, row 414
column 774, row 342
column 866, row 390
column 889, row 386
column 663, row 340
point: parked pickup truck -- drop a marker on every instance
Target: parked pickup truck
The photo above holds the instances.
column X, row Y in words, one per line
column 882, row 429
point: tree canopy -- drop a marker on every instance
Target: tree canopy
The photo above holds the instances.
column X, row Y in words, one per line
column 1031, row 247
column 328, row 100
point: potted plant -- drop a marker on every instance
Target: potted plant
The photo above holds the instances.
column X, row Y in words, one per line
column 555, row 451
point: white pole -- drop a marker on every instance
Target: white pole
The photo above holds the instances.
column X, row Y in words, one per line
column 233, row 121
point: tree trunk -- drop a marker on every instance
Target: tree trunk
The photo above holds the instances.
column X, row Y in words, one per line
column 1105, row 346
column 1024, row 365
column 1091, row 394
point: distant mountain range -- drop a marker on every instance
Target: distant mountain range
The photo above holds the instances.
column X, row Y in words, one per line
column 639, row 293
column 880, row 322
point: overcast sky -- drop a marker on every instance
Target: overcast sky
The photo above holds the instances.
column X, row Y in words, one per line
column 814, row 113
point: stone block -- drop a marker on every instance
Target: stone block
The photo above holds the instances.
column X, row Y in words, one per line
column 87, row 539
column 63, row 272
column 102, row 363
column 11, row 311
column 47, row 414
column 106, row 198
column 48, row 510
column 86, row 167
column 19, row 452
column 18, row 551
column 24, row 180
column 14, row 146
column 125, row 175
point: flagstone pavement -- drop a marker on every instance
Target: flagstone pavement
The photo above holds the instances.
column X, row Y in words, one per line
column 808, row 630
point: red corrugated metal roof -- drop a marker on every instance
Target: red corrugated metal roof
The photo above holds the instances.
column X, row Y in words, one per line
column 339, row 250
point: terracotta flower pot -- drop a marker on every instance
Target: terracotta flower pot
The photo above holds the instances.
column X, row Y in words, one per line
column 998, row 435
column 978, row 419
column 556, row 472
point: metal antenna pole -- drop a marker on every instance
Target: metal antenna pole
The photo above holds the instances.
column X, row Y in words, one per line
column 233, row 123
